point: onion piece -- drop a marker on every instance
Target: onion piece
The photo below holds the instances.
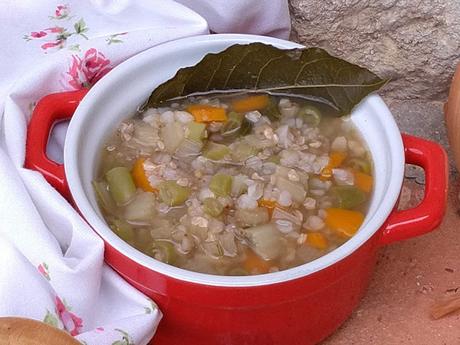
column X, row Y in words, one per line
column 279, row 213
column 172, row 135
column 141, row 209
column 265, row 240
column 227, row 241
column 188, row 149
column 252, row 217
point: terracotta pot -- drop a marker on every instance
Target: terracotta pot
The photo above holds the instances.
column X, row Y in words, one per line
column 302, row 305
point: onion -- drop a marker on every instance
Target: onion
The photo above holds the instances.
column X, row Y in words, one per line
column 141, row 209
column 188, row 149
column 452, row 111
column 279, row 213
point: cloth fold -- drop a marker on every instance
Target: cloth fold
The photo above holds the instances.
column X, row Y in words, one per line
column 52, row 262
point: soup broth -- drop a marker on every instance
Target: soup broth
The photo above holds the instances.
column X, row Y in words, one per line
column 233, row 184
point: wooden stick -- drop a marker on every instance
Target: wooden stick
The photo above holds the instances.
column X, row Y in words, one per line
column 445, row 307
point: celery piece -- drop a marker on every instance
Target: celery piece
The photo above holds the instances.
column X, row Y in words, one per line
column 310, row 114
column 233, row 124
column 271, row 110
column 243, row 151
column 348, row 197
column 215, row 151
column 173, row 194
column 212, row 207
column 164, row 251
column 122, row 229
column 196, row 131
column 121, row 184
column 103, row 196
column 236, row 125
column 221, row 185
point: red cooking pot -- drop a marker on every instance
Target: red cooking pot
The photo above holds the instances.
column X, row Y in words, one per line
column 301, row 305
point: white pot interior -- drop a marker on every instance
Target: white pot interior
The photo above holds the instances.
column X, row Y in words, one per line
column 127, row 86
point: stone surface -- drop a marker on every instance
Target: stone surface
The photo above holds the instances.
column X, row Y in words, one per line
column 416, row 43
column 423, row 119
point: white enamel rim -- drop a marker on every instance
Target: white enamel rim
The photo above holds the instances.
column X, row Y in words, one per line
column 384, row 141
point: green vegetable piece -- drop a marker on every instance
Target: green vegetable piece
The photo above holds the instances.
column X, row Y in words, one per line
column 310, row 114
column 348, row 197
column 221, row 185
column 215, row 151
column 164, row 251
column 121, row 184
column 196, row 131
column 236, row 125
column 212, row 207
column 360, row 164
column 173, row 194
column 103, row 196
column 272, row 111
column 122, row 229
column 233, row 124
column 243, row 151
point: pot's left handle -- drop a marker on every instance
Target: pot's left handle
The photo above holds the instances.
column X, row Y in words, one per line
column 49, row 110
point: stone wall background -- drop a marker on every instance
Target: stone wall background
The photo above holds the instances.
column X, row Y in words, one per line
column 415, row 43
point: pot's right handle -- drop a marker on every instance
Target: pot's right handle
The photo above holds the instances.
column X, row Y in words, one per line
column 49, row 110
column 425, row 217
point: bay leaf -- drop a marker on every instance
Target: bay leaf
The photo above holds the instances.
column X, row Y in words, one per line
column 307, row 72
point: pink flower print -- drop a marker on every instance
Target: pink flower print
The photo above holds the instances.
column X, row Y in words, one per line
column 72, row 323
column 49, row 45
column 55, row 30
column 86, row 71
column 38, row 34
column 53, row 44
column 43, row 269
column 62, row 11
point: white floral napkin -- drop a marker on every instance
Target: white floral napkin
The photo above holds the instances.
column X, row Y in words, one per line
column 52, row 262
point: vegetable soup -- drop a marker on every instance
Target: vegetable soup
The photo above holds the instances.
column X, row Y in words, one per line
column 234, row 184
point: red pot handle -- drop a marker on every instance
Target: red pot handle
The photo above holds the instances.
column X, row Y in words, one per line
column 425, row 217
column 49, row 110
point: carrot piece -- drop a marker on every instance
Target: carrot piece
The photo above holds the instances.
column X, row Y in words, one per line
column 207, row 113
column 250, row 103
column 317, row 240
column 344, row 222
column 269, row 205
column 335, row 160
column 255, row 264
column 363, row 181
column 139, row 176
